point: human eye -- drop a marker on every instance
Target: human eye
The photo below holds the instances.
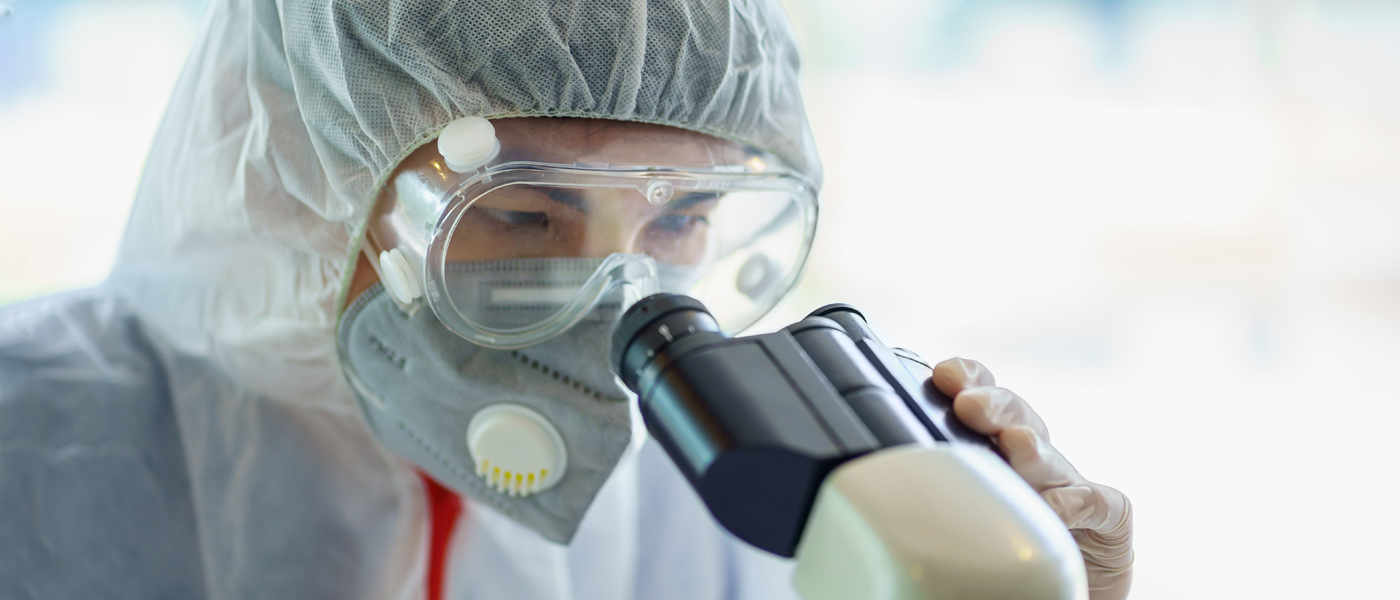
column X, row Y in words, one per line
column 688, row 212
column 679, row 223
column 514, row 218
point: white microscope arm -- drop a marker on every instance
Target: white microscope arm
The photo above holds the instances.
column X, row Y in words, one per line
column 949, row 522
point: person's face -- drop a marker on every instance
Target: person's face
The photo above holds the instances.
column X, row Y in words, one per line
column 535, row 221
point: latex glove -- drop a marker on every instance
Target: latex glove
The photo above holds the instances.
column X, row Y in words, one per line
column 1099, row 517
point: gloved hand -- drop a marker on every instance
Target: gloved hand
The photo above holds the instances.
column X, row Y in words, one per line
column 1099, row 517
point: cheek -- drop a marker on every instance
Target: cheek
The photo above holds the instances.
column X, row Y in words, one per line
column 685, row 247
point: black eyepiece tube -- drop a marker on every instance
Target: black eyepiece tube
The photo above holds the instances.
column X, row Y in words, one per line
column 931, row 407
column 652, row 324
column 849, row 319
column 750, row 422
column 867, row 393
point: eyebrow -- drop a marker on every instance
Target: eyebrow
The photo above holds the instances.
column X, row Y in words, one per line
column 691, row 199
column 572, row 200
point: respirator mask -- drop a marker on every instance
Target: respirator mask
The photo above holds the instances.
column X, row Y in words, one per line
column 507, row 251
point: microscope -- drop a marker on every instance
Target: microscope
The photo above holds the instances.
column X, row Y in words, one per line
column 821, row 444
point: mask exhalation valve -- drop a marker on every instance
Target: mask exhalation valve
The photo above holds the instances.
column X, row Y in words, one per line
column 516, row 450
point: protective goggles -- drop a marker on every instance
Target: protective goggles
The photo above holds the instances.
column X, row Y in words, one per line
column 514, row 230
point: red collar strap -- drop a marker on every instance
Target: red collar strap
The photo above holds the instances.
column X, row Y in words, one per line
column 445, row 508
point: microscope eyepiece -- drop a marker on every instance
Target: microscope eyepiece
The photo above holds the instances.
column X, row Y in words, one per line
column 652, row 324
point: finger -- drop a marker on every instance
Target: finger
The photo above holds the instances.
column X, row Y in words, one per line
column 1108, row 579
column 1096, row 507
column 1105, row 525
column 954, row 375
column 1081, row 506
column 990, row 410
column 1035, row 460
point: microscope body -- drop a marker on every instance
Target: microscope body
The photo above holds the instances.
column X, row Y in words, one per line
column 819, row 442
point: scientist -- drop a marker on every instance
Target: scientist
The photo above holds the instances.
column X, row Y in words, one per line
column 354, row 344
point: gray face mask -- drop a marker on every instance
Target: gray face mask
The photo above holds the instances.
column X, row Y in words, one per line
column 427, row 392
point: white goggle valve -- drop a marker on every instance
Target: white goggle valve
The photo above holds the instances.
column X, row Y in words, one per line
column 398, row 276
column 468, row 143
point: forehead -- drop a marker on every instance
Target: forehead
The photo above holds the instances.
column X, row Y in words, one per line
column 615, row 143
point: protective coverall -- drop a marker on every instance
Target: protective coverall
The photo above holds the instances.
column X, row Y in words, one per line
column 184, row 430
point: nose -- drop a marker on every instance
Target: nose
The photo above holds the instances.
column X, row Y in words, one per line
column 609, row 238
column 613, row 226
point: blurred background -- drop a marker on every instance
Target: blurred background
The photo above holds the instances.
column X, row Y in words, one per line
column 1172, row 226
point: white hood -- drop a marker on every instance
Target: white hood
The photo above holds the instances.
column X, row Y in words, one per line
column 289, row 115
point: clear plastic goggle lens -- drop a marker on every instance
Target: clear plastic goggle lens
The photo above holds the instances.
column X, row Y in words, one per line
column 529, row 256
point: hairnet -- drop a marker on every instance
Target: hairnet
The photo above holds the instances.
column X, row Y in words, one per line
column 290, row 114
